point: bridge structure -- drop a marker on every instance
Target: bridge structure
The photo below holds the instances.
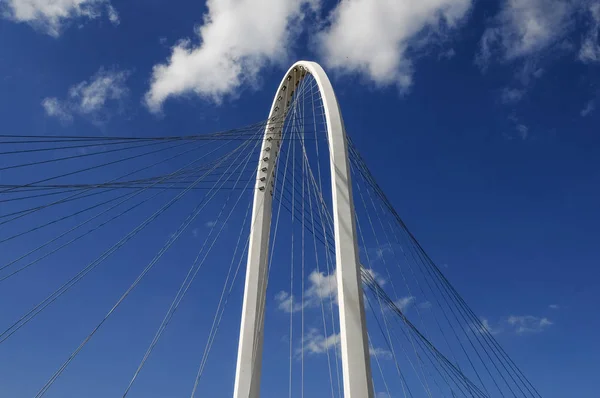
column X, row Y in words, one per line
column 365, row 312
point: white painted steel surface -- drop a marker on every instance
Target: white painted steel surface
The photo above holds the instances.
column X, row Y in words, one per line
column 353, row 332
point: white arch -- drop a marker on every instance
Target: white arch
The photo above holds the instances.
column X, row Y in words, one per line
column 353, row 333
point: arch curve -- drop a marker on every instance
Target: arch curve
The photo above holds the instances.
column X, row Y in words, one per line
column 353, row 334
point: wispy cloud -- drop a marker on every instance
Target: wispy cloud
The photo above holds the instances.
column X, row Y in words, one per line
column 510, row 95
column 528, row 323
column 321, row 288
column 538, row 73
column 486, row 327
column 590, row 48
column 383, row 252
column 448, row 54
column 90, row 97
column 404, row 303
column 554, row 306
column 314, row 342
column 106, row 85
column 524, row 33
column 51, row 16
column 113, row 15
column 380, row 252
column 375, row 275
column 524, row 28
column 513, row 324
column 287, row 302
column 425, row 305
column 589, row 107
column 380, row 353
column 523, row 131
column 57, row 109
column 520, row 130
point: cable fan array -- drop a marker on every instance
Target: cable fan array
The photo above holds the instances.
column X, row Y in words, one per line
column 124, row 257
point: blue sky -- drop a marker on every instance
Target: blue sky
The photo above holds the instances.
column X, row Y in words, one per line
column 478, row 118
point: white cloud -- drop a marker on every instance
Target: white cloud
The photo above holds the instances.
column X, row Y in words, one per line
column 89, row 98
column 380, row 353
column 381, row 251
column 528, row 323
column 511, row 95
column 321, row 287
column 316, row 343
column 51, row 16
column 516, row 324
column 590, row 49
column 525, row 27
column 113, row 15
column 288, row 303
column 104, row 86
column 523, row 131
column 589, row 108
column 404, row 303
column 485, row 326
column 528, row 32
column 237, row 39
column 55, row 108
column 525, row 76
column 554, row 306
column 448, row 54
column 425, row 305
column 374, row 37
column 378, row 278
